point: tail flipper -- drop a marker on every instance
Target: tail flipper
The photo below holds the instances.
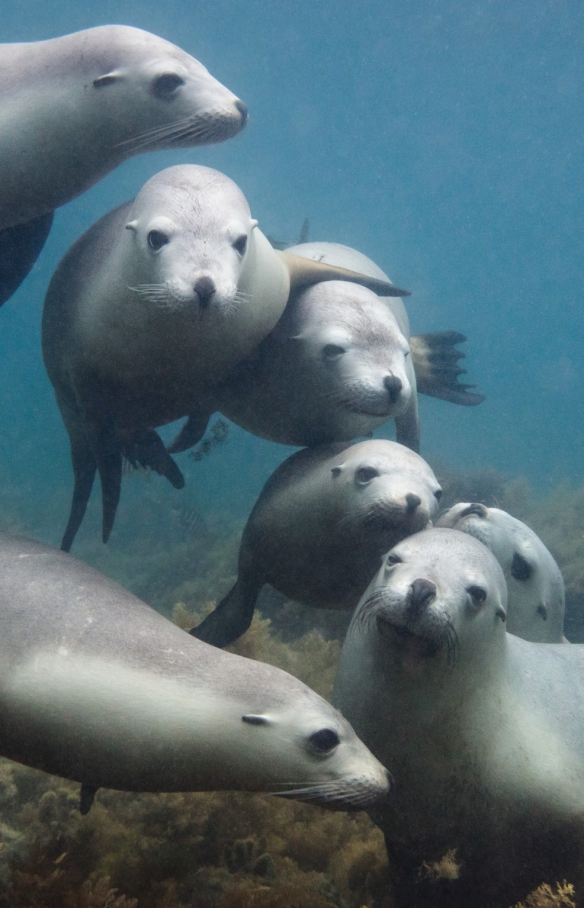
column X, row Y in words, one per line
column 84, row 469
column 435, row 359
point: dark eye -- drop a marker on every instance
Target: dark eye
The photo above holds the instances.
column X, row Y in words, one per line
column 366, row 474
column 520, row 567
column 157, row 239
column 331, row 351
column 240, row 244
column 393, row 559
column 477, row 594
column 324, row 740
column 438, row 494
column 164, row 86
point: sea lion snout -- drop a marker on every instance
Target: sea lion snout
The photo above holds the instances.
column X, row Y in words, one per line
column 205, row 289
column 240, row 106
column 393, row 386
column 476, row 509
column 420, row 594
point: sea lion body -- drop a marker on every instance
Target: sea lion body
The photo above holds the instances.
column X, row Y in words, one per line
column 73, row 108
column 320, row 526
column 97, row 687
column 149, row 310
column 483, row 730
column 534, row 581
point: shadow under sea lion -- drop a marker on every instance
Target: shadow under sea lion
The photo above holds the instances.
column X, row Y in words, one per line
column 149, row 310
column 73, row 108
column 483, row 730
column 99, row 688
column 321, row 525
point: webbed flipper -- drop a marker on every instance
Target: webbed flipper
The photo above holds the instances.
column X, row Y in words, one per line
column 435, row 359
column 191, row 433
column 149, row 451
column 20, row 246
column 86, row 798
column 231, row 618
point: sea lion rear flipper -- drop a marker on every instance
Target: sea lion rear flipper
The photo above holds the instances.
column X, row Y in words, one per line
column 407, row 427
column 84, row 468
column 148, row 449
column 86, row 798
column 108, row 454
column 231, row 618
column 435, row 359
column 20, row 246
column 304, row 272
column 191, row 433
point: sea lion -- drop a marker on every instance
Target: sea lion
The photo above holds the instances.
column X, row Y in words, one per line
column 73, row 108
column 149, row 310
column 320, row 526
column 534, row 581
column 484, row 731
column 338, row 365
column 99, row 688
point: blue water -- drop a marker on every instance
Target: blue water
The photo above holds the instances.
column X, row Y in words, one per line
column 443, row 139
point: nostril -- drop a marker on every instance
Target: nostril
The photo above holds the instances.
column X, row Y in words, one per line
column 413, row 502
column 421, row 593
column 242, row 110
column 204, row 288
column 393, row 385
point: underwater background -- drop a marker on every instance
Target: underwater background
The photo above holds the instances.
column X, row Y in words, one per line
column 442, row 139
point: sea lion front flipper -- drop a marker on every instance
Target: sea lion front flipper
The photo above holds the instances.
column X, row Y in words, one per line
column 191, row 433
column 20, row 247
column 407, row 426
column 305, row 272
column 435, row 359
column 148, row 449
column 231, row 618
column 86, row 798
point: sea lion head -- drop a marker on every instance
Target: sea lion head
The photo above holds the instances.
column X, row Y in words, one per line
column 534, row 580
column 312, row 744
column 386, row 490
column 352, row 354
column 437, row 594
column 157, row 95
column 193, row 231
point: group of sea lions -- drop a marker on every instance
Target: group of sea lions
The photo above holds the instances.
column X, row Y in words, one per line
column 175, row 305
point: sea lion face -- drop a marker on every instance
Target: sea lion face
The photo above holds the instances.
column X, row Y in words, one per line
column 534, row 581
column 303, row 742
column 193, row 231
column 436, row 593
column 142, row 79
column 351, row 353
column 387, row 491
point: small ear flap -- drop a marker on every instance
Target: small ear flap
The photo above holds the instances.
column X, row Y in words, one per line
column 108, row 79
column 254, row 223
column 336, row 471
column 132, row 225
column 255, row 720
column 501, row 613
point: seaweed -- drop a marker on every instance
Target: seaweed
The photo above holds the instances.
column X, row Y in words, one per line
column 545, row 897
